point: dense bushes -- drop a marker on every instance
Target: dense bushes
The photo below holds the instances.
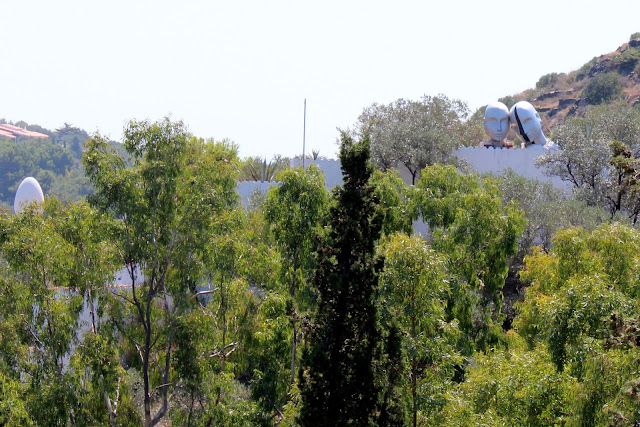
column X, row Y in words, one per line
column 602, row 88
column 547, row 80
column 627, row 60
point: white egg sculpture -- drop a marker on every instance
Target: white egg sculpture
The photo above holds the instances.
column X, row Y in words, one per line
column 28, row 192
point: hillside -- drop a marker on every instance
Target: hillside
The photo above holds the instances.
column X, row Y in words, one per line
column 50, row 156
column 612, row 77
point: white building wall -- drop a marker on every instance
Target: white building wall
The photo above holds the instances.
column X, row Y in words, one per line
column 329, row 167
column 246, row 189
column 498, row 160
column 479, row 159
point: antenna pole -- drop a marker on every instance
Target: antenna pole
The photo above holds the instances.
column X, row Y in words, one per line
column 304, row 131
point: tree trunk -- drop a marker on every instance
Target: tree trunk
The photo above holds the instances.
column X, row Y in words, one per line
column 293, row 353
column 414, row 375
column 146, row 321
column 292, row 293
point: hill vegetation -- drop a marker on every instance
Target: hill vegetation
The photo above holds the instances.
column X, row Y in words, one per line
column 603, row 79
column 54, row 162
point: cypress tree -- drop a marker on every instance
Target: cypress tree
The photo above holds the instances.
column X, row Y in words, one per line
column 349, row 368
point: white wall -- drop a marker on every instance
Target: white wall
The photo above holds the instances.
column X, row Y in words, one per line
column 246, row 188
column 480, row 159
column 330, row 168
column 497, row 160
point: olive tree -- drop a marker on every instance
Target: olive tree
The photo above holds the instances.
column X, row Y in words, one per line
column 414, row 134
column 585, row 150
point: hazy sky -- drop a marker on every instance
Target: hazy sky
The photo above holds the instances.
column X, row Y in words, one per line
column 242, row 69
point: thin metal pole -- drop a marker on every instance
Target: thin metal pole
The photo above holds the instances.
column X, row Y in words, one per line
column 304, row 131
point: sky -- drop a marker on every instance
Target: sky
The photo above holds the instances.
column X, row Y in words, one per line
column 242, row 69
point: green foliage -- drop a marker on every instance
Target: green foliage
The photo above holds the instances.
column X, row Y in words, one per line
column 38, row 128
column 584, row 70
column 349, row 365
column 634, row 36
column 414, row 133
column 258, row 169
column 546, row 81
column 397, row 204
column 602, row 88
column 270, row 348
column 169, row 205
column 294, row 210
column 72, row 138
column 53, row 162
column 209, row 330
column 43, row 160
column 587, row 279
column 583, row 163
column 609, row 251
column 546, row 210
column 627, row 60
column 512, row 387
column 13, row 406
column 414, row 290
column 57, row 265
column 508, row 101
column 478, row 233
column 207, row 356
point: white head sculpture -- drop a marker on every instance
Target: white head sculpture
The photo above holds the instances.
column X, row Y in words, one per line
column 528, row 123
column 28, row 192
column 496, row 122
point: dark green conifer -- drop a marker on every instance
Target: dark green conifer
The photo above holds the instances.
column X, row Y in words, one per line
column 349, row 369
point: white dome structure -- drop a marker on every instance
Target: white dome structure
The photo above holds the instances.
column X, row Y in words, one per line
column 28, row 192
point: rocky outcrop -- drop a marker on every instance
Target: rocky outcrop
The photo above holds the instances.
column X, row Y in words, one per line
column 603, row 65
column 553, row 94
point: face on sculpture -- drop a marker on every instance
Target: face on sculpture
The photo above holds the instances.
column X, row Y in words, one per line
column 496, row 121
column 527, row 122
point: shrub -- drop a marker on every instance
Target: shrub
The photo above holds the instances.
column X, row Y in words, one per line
column 627, row 60
column 634, row 36
column 547, row 80
column 508, row 101
column 582, row 72
column 602, row 88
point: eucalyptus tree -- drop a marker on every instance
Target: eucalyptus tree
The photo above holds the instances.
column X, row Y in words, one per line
column 515, row 386
column 294, row 210
column 233, row 353
column 414, row 286
column 397, row 202
column 414, row 133
column 66, row 362
column 479, row 234
column 212, row 339
column 164, row 205
column 581, row 305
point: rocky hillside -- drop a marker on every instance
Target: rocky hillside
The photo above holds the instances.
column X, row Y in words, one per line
column 614, row 77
